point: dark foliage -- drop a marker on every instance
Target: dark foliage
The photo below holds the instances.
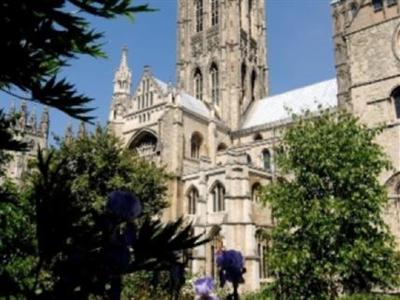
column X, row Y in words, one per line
column 38, row 39
column 90, row 246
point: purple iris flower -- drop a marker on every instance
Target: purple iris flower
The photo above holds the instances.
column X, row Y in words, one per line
column 204, row 288
column 123, row 205
column 231, row 264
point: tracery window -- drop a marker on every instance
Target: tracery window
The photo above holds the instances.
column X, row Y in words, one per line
column 218, row 197
column 262, row 250
column 199, row 15
column 214, row 12
column 198, row 83
column 195, row 145
column 214, row 84
column 192, row 198
column 266, row 157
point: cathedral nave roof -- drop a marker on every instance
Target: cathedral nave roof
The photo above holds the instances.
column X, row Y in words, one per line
column 280, row 107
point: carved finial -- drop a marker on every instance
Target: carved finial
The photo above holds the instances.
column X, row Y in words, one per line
column 82, row 130
column 147, row 69
column 124, row 58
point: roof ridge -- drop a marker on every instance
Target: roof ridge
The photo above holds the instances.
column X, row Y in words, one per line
column 300, row 88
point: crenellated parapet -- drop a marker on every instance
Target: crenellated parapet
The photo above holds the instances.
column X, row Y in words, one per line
column 30, row 129
column 28, row 123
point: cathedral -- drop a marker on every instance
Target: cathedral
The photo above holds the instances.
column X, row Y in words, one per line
column 215, row 131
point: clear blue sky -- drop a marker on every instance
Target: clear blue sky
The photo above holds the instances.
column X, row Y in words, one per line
column 300, row 51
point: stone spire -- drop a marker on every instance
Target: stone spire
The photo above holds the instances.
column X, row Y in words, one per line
column 123, row 76
column 45, row 122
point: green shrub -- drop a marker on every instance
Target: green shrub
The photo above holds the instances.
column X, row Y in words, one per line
column 371, row 297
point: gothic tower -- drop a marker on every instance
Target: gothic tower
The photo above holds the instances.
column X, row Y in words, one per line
column 222, row 55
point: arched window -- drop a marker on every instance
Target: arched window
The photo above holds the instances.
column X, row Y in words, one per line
column 195, row 145
column 397, row 190
column 243, row 71
column 255, row 192
column 192, row 198
column 218, row 197
column 378, row 4
column 214, row 84
column 221, row 147
column 258, row 137
column 214, row 12
column 396, row 99
column 199, row 15
column 266, row 156
column 253, row 85
column 144, row 143
column 248, row 159
column 198, row 84
column 263, row 247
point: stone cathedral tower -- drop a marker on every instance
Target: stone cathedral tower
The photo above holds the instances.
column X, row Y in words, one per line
column 222, row 55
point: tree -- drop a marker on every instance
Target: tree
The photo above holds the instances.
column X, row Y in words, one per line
column 38, row 40
column 97, row 163
column 18, row 255
column 58, row 237
column 87, row 197
column 330, row 234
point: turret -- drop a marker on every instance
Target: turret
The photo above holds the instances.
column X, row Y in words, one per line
column 44, row 122
column 123, row 76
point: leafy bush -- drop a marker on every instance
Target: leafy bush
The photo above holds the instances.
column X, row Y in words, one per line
column 371, row 297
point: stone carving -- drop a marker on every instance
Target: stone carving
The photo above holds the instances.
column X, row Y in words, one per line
column 197, row 45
